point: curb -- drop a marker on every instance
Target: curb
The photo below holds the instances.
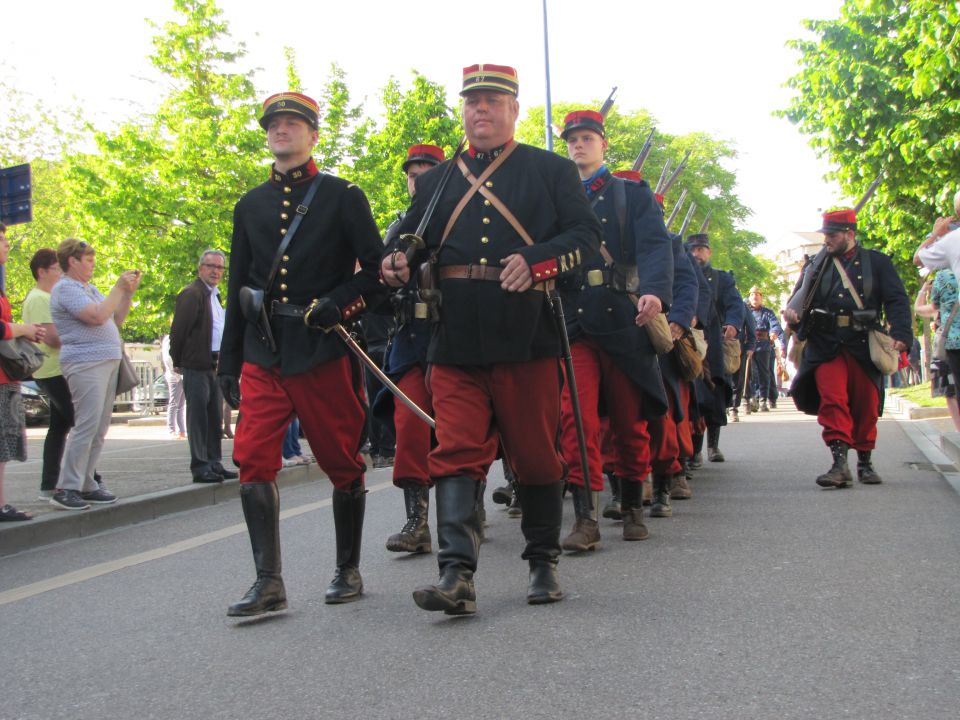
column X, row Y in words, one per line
column 68, row 525
column 912, row 411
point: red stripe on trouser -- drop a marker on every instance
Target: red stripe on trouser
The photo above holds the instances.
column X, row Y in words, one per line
column 328, row 399
column 596, row 373
column 848, row 402
column 414, row 437
column 670, row 440
column 476, row 408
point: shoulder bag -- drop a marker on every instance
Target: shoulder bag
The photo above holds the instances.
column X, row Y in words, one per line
column 882, row 352
column 20, row 358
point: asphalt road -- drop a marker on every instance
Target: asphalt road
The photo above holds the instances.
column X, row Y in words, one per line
column 763, row 597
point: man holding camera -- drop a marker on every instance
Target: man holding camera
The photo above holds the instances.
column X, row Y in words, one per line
column 837, row 381
column 293, row 277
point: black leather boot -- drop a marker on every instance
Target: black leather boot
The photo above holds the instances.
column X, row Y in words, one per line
column 414, row 536
column 632, row 502
column 585, row 534
column 713, row 444
column 838, row 476
column 348, row 507
column 696, row 460
column 865, row 472
column 661, row 496
column 611, row 510
column 457, row 499
column 261, row 510
column 542, row 513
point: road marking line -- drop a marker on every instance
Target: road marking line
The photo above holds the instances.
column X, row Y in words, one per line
column 105, row 568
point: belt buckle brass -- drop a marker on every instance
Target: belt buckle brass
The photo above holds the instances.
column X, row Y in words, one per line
column 843, row 321
column 421, row 311
column 594, row 278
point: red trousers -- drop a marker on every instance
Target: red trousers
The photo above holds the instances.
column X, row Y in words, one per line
column 596, row 373
column 671, row 440
column 849, row 402
column 414, row 436
column 476, row 408
column 329, row 401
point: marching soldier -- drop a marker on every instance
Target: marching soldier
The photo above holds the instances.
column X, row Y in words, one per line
column 725, row 319
column 606, row 305
column 511, row 219
column 768, row 333
column 292, row 262
column 837, row 381
column 406, row 364
column 741, row 381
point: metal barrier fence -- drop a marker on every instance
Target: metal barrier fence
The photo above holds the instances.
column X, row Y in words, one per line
column 144, row 397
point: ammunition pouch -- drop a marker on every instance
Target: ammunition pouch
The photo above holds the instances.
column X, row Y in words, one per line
column 619, row 278
column 863, row 320
column 250, row 300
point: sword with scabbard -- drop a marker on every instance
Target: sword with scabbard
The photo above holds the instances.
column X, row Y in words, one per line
column 557, row 307
column 368, row 362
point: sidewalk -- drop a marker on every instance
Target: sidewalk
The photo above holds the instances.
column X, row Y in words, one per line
column 142, row 465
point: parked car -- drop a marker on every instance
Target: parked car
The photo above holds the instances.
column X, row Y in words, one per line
column 36, row 405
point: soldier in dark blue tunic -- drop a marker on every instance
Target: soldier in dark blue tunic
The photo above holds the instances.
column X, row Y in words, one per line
column 607, row 305
column 406, row 364
column 837, row 381
column 726, row 317
column 768, row 332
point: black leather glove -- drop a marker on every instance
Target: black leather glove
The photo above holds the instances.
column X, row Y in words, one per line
column 230, row 387
column 322, row 314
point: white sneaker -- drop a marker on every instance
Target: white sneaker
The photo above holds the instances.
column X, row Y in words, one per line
column 290, row 462
column 45, row 495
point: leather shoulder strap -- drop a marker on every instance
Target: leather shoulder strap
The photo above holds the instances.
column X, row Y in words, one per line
column 845, row 279
column 292, row 230
column 475, row 185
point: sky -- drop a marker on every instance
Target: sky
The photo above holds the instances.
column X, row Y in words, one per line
column 697, row 65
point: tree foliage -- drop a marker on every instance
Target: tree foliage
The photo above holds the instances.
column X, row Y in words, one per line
column 415, row 116
column 879, row 90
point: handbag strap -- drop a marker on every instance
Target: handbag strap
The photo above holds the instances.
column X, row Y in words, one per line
column 292, row 230
column 945, row 328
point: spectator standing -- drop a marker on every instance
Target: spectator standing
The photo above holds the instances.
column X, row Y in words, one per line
column 176, row 404
column 937, row 299
column 13, row 437
column 195, row 336
column 88, row 325
column 49, row 377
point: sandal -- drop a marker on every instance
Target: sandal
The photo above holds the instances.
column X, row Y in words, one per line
column 10, row 513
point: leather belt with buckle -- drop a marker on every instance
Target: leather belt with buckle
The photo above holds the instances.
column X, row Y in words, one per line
column 843, row 321
column 477, row 272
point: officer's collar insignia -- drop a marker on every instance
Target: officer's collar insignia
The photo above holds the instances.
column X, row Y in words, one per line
column 297, row 175
column 488, row 155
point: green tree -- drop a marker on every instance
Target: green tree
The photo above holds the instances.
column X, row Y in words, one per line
column 879, row 89
column 161, row 189
column 417, row 115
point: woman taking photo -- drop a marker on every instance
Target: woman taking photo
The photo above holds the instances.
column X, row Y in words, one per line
column 90, row 349
column 13, row 438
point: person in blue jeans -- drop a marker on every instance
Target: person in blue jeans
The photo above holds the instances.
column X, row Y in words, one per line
column 292, row 452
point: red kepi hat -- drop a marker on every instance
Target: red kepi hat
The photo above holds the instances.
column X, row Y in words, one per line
column 585, row 119
column 839, row 220
column 430, row 154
